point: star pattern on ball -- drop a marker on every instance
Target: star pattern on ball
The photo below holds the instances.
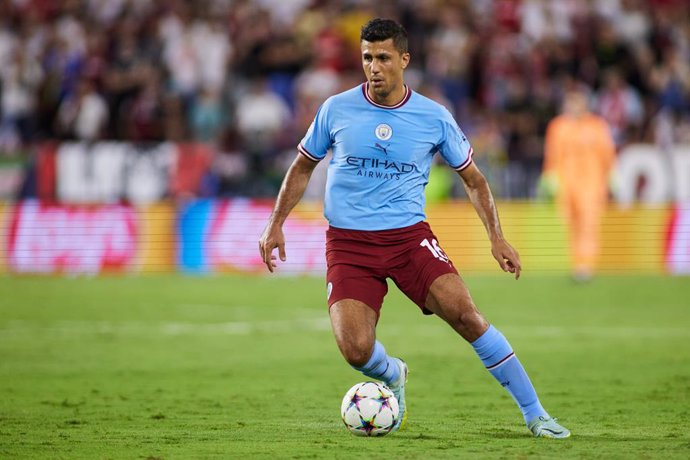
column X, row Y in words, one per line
column 356, row 398
column 384, row 402
column 367, row 425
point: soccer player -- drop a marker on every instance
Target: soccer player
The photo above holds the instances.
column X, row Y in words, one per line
column 383, row 137
column 579, row 156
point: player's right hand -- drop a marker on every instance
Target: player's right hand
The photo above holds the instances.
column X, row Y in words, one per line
column 272, row 238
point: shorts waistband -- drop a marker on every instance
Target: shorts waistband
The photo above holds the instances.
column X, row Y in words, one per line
column 394, row 234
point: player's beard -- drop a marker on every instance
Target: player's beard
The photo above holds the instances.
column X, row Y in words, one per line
column 381, row 91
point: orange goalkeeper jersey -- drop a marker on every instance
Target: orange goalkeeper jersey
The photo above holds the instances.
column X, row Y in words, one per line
column 580, row 152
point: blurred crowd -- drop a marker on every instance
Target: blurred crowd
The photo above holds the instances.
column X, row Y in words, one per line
column 247, row 77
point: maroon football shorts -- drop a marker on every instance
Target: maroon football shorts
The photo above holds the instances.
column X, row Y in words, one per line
column 360, row 261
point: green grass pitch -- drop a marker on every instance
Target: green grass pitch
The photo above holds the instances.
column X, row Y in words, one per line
column 169, row 366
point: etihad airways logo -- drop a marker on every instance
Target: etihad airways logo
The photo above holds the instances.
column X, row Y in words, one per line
column 379, row 168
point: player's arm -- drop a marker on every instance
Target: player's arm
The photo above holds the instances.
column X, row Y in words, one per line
column 291, row 191
column 478, row 191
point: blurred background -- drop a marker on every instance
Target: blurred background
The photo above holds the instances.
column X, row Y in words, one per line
column 152, row 136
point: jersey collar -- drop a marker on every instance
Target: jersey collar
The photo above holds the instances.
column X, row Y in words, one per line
column 408, row 93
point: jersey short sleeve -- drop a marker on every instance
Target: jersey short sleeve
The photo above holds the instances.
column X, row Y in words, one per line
column 454, row 147
column 317, row 140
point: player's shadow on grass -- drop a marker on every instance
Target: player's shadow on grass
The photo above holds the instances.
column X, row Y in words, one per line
column 499, row 434
column 503, row 434
column 425, row 436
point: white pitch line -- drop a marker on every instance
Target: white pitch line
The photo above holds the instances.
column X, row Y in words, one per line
column 82, row 328
column 317, row 324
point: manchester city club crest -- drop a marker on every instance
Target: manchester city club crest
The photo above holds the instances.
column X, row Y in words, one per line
column 384, row 132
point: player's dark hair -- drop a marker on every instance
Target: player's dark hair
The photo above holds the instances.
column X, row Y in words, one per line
column 379, row 30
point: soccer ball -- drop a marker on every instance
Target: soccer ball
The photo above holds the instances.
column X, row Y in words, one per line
column 369, row 409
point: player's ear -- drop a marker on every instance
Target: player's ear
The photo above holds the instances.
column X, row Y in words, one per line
column 405, row 60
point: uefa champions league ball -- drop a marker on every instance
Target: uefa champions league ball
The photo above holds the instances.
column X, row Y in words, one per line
column 369, row 409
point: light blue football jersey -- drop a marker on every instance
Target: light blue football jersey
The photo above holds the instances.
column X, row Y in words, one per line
column 381, row 156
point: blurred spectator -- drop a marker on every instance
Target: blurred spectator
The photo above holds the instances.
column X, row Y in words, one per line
column 489, row 146
column 524, row 143
column 261, row 117
column 180, row 51
column 231, row 166
column 175, row 127
column 670, row 128
column 19, row 80
column 632, row 22
column 145, row 112
column 620, row 105
column 670, row 79
column 129, row 69
column 207, row 117
column 609, row 50
column 84, row 114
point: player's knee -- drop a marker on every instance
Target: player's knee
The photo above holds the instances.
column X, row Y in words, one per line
column 357, row 353
column 468, row 323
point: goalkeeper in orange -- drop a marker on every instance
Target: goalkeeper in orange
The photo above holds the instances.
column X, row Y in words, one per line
column 578, row 159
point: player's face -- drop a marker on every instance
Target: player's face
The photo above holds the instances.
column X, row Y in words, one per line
column 383, row 66
column 575, row 104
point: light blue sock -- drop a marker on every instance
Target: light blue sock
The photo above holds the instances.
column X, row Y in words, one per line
column 498, row 357
column 380, row 366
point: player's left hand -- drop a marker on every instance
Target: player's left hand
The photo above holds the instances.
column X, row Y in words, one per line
column 506, row 256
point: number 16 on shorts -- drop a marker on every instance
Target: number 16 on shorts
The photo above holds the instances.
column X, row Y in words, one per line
column 435, row 249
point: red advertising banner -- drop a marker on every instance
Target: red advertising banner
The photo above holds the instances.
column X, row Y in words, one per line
column 48, row 238
column 236, row 226
column 678, row 241
column 207, row 236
